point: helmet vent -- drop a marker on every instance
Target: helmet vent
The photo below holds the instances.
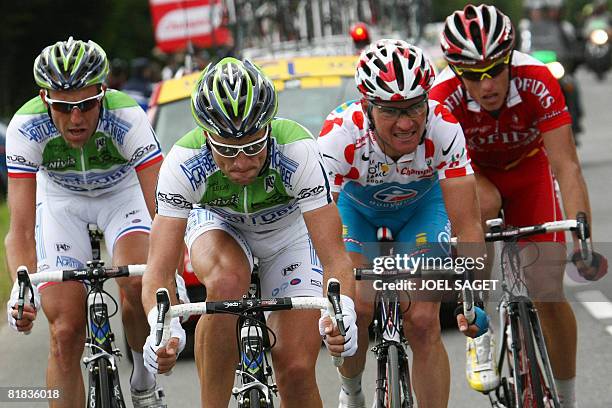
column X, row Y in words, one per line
column 397, row 68
column 459, row 25
column 417, row 79
column 470, row 12
column 383, row 85
column 475, row 34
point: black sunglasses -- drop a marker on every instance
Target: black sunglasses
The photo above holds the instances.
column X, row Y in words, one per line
column 83, row 105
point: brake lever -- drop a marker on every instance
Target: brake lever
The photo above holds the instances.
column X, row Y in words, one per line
column 162, row 329
column 583, row 233
column 24, row 283
column 335, row 310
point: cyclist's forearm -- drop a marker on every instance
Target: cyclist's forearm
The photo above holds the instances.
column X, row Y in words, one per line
column 166, row 242
column 20, row 250
column 341, row 269
column 574, row 192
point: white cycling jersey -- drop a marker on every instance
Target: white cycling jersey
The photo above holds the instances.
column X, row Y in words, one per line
column 123, row 142
column 291, row 182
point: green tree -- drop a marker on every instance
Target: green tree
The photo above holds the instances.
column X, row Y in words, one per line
column 122, row 27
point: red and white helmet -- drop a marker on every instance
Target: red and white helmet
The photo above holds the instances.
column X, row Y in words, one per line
column 476, row 34
column 393, row 70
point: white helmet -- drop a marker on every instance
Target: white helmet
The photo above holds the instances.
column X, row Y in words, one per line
column 393, row 70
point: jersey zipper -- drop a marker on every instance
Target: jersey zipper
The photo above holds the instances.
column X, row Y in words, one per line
column 246, row 208
column 83, row 168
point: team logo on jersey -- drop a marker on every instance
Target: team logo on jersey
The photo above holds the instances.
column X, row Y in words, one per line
column 395, row 194
column 100, row 143
column 269, row 183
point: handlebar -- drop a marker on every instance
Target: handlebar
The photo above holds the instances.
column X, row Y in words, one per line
column 166, row 312
column 93, row 270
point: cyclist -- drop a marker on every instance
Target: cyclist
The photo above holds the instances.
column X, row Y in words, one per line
column 80, row 153
column 518, row 133
column 395, row 158
column 260, row 189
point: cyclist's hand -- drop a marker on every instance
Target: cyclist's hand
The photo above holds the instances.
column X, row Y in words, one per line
column 478, row 327
column 336, row 344
column 596, row 270
column 29, row 312
column 162, row 358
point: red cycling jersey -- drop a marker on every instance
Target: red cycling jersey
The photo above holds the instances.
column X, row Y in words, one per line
column 535, row 104
column 508, row 149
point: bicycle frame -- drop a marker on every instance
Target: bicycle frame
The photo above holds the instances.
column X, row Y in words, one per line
column 254, row 370
column 388, row 329
column 531, row 383
column 104, row 388
column 100, row 338
column 251, row 345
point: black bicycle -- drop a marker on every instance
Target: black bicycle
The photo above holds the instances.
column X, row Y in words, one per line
column 393, row 386
column 104, row 389
column 528, row 381
column 255, row 340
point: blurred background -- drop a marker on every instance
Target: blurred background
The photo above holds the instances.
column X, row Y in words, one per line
column 125, row 29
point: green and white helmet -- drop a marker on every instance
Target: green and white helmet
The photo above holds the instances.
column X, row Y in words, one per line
column 71, row 64
column 233, row 99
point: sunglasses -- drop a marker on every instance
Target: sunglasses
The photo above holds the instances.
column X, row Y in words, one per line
column 392, row 113
column 84, row 105
column 478, row 74
column 230, row 151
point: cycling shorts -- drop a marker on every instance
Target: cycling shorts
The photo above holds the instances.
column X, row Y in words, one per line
column 528, row 195
column 288, row 264
column 422, row 227
column 62, row 237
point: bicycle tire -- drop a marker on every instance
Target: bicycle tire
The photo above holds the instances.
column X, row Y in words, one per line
column 254, row 398
column 533, row 364
column 104, row 389
column 393, row 386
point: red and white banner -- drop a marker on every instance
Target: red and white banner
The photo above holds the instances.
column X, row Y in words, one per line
column 176, row 21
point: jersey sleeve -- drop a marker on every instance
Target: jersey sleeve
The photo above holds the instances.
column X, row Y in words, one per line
column 141, row 146
column 23, row 152
column 311, row 188
column 335, row 143
column 449, row 152
column 552, row 109
column 176, row 189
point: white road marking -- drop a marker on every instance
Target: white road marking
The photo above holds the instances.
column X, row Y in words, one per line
column 596, row 303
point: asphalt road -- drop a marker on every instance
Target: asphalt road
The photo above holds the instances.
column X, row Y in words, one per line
column 23, row 358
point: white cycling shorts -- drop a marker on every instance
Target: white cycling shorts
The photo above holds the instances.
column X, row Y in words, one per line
column 288, row 264
column 62, row 238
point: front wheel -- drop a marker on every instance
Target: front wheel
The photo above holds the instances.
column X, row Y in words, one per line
column 104, row 392
column 389, row 383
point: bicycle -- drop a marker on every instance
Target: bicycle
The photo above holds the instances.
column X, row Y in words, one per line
column 529, row 381
column 254, row 371
column 393, row 386
column 104, row 388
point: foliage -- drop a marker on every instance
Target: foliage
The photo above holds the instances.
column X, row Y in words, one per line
column 122, row 27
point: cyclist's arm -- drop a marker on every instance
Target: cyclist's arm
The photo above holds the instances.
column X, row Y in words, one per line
column 166, row 243
column 148, row 182
column 463, row 211
column 20, row 243
column 325, row 229
column 565, row 165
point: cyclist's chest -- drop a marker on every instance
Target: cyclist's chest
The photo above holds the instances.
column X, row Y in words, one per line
column 513, row 128
column 99, row 153
column 267, row 191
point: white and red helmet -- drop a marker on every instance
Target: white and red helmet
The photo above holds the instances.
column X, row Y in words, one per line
column 476, row 34
column 393, row 70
